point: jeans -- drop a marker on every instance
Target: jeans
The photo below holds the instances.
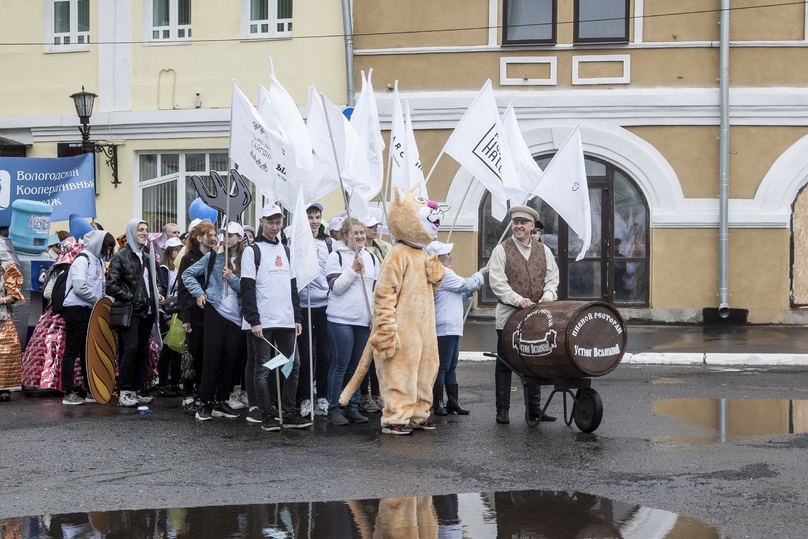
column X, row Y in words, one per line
column 347, row 344
column 322, row 354
column 77, row 319
column 259, row 352
column 449, row 351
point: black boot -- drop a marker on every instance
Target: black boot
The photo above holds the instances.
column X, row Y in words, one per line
column 534, row 403
column 452, row 404
column 502, row 386
column 437, row 400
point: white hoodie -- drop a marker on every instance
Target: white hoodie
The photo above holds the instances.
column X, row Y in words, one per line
column 347, row 303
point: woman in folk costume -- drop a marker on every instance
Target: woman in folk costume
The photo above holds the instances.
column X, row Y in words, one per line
column 10, row 286
column 42, row 360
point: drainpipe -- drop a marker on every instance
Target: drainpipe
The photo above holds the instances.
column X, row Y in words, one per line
column 723, row 191
column 347, row 25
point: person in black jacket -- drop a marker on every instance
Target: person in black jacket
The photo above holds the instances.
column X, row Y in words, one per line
column 129, row 280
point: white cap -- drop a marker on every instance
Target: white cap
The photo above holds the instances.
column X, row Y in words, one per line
column 172, row 242
column 336, row 222
column 196, row 222
column 439, row 248
column 371, row 220
column 235, row 228
column 271, row 209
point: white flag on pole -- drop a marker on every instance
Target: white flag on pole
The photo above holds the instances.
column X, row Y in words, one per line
column 288, row 178
column 252, row 144
column 351, row 157
column 477, row 144
column 397, row 141
column 527, row 170
column 413, row 171
column 324, row 177
column 564, row 187
column 365, row 120
column 303, row 251
column 291, row 123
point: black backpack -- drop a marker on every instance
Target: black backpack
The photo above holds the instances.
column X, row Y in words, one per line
column 59, row 292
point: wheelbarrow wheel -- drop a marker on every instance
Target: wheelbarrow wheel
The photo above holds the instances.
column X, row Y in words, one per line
column 587, row 411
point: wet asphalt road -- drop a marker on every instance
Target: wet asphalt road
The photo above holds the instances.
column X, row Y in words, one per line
column 55, row 459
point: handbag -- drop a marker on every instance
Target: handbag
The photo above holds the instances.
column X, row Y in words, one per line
column 175, row 338
column 120, row 315
column 171, row 305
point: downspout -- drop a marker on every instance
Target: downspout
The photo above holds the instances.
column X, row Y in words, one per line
column 347, row 26
column 723, row 190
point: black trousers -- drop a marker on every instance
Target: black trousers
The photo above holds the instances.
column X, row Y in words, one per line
column 76, row 321
column 134, row 353
column 322, row 353
column 221, row 342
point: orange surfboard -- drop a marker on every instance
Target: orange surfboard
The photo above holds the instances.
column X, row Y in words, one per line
column 102, row 349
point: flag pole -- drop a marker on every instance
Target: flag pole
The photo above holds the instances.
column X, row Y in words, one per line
column 457, row 213
column 433, row 167
column 311, row 352
column 344, row 194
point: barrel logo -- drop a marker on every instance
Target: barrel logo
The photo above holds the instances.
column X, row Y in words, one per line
column 535, row 348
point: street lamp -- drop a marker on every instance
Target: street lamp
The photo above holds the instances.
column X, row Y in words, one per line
column 84, row 108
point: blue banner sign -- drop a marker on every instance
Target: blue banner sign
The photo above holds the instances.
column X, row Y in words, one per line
column 67, row 184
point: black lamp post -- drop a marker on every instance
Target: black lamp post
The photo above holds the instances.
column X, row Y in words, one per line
column 84, row 108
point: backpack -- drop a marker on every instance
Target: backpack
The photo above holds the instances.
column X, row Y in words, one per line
column 257, row 254
column 58, row 290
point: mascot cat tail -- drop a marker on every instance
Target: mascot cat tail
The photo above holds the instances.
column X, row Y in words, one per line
column 359, row 374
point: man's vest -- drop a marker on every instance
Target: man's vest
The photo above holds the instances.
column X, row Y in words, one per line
column 525, row 277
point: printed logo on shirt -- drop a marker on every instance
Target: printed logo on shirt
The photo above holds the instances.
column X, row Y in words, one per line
column 278, row 262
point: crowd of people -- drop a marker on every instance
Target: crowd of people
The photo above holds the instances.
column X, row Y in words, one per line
column 248, row 331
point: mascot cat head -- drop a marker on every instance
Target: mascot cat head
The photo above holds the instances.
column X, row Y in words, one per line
column 413, row 219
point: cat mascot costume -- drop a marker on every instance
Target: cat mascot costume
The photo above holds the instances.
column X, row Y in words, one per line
column 403, row 342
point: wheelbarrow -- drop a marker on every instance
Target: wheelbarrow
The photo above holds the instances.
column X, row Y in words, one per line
column 563, row 344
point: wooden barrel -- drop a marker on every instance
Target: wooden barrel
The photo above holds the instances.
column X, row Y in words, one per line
column 565, row 339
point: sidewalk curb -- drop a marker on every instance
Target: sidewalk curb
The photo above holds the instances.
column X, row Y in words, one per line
column 680, row 358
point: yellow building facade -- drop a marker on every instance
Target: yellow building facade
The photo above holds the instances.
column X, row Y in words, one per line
column 642, row 79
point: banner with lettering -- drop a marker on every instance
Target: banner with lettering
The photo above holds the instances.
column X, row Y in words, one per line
column 65, row 183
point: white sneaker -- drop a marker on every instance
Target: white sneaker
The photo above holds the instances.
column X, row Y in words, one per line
column 305, row 408
column 128, row 399
column 321, row 408
column 234, row 402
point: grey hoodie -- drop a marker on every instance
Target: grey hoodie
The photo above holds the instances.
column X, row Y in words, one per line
column 131, row 237
column 86, row 276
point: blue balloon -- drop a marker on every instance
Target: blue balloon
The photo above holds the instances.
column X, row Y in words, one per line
column 78, row 226
column 200, row 210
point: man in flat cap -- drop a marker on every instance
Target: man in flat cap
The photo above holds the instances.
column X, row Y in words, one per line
column 522, row 273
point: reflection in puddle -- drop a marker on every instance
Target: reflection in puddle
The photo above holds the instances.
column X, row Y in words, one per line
column 736, row 418
column 486, row 515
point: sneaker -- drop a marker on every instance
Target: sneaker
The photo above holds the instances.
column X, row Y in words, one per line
column 426, row 425
column 336, row 418
column 205, row 412
column 321, row 408
column 177, row 390
column 128, row 399
column 242, row 396
column 222, row 409
column 270, row 424
column 292, row 420
column 396, row 429
column 234, row 402
column 378, row 400
column 368, row 405
column 305, row 408
column 354, row 416
column 189, row 407
column 72, row 399
column 254, row 415
column 89, row 399
column 143, row 397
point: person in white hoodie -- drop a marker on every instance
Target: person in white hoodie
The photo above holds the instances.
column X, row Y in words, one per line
column 85, row 286
column 351, row 271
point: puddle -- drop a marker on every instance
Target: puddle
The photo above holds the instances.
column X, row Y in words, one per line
column 735, row 419
column 476, row 515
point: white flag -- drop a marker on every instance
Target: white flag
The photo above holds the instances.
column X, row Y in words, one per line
column 351, row 157
column 303, row 250
column 527, row 170
column 324, row 177
column 413, row 171
column 289, row 179
column 397, row 141
column 251, row 144
column 365, row 120
column 291, row 123
column 564, row 187
column 477, row 144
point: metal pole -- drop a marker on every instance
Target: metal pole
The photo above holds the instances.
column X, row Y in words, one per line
column 347, row 26
column 723, row 191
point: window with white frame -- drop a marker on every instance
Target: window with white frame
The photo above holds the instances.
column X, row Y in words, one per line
column 67, row 25
column 266, row 18
column 167, row 190
column 601, row 21
column 529, row 21
column 167, row 20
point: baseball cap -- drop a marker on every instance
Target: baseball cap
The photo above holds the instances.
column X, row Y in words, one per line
column 336, row 222
column 271, row 209
column 173, row 242
column 315, row 206
column 235, row 228
column 439, row 248
column 371, row 220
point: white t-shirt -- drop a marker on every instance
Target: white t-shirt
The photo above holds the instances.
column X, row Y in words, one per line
column 273, row 284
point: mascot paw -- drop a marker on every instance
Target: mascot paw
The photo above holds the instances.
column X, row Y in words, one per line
column 385, row 341
column 435, row 271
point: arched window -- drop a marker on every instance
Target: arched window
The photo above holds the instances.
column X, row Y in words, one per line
column 615, row 268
